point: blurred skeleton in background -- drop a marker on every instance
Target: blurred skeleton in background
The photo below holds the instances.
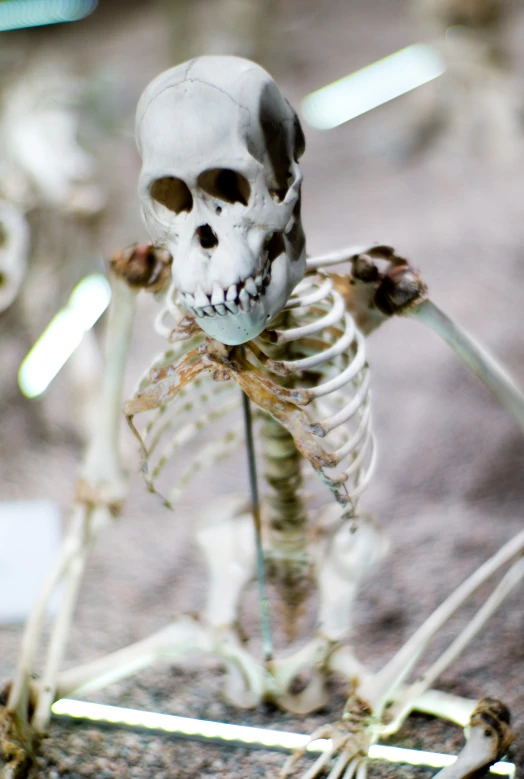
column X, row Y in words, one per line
column 477, row 102
column 49, row 207
column 14, row 248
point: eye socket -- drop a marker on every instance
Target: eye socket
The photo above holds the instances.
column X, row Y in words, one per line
column 172, row 193
column 226, row 185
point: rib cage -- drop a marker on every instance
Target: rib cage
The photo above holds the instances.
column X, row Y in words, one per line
column 323, row 357
column 328, row 359
column 186, row 434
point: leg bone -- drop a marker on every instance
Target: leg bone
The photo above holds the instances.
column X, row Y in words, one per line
column 225, row 535
column 62, row 625
column 182, row 638
column 395, row 672
column 343, row 555
column 513, row 577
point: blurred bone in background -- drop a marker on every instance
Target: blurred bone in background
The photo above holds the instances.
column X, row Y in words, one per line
column 478, row 102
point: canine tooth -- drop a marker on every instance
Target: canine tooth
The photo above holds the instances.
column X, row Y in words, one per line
column 251, row 287
column 209, row 310
column 243, row 296
column 218, row 294
column 221, row 309
column 201, row 299
column 232, row 292
column 232, row 306
column 245, row 305
column 258, row 280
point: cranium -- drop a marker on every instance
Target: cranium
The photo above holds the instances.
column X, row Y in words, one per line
column 220, row 190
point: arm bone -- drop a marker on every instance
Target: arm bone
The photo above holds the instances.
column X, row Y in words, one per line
column 474, row 356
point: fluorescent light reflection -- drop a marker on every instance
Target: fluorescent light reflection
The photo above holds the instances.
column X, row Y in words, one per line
column 87, row 303
column 17, row 14
column 262, row 738
column 372, row 86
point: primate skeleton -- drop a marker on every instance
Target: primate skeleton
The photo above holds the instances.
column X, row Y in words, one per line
column 241, row 305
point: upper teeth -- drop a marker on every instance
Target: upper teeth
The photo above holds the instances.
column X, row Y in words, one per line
column 218, row 294
column 242, row 295
column 201, row 299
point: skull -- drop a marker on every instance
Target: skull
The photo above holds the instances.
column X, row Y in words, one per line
column 220, row 190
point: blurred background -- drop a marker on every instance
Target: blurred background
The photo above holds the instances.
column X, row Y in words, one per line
column 436, row 172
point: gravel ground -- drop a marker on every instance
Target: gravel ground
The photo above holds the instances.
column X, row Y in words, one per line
column 448, row 487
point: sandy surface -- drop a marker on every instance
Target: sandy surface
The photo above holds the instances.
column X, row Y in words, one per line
column 448, row 488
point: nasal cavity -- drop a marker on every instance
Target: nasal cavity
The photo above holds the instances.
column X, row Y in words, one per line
column 207, row 237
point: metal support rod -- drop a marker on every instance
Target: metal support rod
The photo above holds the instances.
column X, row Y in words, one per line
column 265, row 622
